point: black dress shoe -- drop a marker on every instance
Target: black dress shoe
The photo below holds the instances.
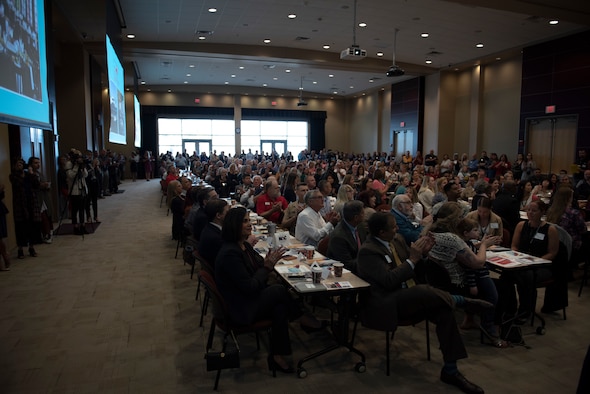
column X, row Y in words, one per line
column 476, row 305
column 461, row 382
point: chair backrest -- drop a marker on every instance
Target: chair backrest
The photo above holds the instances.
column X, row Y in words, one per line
column 220, row 310
column 323, row 245
column 565, row 238
column 163, row 186
column 205, row 265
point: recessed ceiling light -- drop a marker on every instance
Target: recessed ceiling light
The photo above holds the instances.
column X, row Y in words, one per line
column 335, row 92
column 265, row 85
column 233, row 75
column 241, row 67
column 370, row 80
column 326, row 46
column 291, row 16
column 149, row 90
column 424, row 35
column 275, row 78
column 212, row 9
column 301, row 88
column 185, row 81
column 192, row 66
column 428, row 61
column 498, row 58
column 202, row 38
column 287, row 71
column 362, row 24
column 227, row 83
column 315, row 82
column 351, row 87
column 379, row 53
column 479, row 45
column 143, row 82
column 331, row 75
column 131, row 36
column 169, row 91
column 553, row 22
column 188, row 75
column 267, row 41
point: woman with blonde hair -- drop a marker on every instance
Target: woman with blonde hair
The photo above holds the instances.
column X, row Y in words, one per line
column 345, row 194
column 426, row 192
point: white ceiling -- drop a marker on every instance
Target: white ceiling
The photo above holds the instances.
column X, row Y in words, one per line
column 167, row 44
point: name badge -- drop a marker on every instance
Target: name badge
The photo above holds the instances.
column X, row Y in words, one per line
column 389, row 261
column 267, row 203
column 494, row 225
column 539, row 236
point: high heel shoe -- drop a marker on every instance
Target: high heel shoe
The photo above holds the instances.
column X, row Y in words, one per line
column 32, row 252
column 494, row 341
column 311, row 330
column 274, row 366
column 21, row 254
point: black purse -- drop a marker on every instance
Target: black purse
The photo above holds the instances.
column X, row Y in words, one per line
column 225, row 359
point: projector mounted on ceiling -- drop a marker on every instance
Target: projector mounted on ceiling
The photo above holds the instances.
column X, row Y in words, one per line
column 394, row 70
column 353, row 53
column 301, row 101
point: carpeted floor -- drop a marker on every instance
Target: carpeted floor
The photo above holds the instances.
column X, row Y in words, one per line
column 68, row 228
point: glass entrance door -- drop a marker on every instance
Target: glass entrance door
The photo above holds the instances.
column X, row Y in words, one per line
column 269, row 146
column 197, row 146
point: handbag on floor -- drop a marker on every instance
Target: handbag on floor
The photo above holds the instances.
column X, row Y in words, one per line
column 226, row 358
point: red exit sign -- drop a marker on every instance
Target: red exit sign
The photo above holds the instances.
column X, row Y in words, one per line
column 550, row 109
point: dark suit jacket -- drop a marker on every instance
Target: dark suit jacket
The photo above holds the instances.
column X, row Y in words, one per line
column 210, row 242
column 239, row 282
column 343, row 246
column 199, row 224
column 376, row 265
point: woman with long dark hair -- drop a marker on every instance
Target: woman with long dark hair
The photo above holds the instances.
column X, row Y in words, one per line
column 241, row 275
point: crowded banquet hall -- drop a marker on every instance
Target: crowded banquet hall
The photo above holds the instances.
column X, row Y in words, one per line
column 261, row 196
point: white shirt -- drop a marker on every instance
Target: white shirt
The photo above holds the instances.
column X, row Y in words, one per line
column 311, row 227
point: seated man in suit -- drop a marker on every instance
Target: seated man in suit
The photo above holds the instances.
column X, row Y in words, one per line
column 394, row 296
column 200, row 221
column 348, row 235
column 211, row 241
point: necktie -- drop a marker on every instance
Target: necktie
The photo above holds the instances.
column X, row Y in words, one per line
column 358, row 238
column 410, row 282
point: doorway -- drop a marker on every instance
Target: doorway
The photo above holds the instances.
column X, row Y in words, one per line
column 270, row 146
column 198, row 146
column 403, row 141
column 552, row 141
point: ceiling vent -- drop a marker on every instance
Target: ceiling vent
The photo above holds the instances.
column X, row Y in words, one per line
column 300, row 38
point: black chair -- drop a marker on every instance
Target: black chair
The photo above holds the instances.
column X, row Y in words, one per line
column 207, row 267
column 389, row 335
column 556, row 295
column 222, row 320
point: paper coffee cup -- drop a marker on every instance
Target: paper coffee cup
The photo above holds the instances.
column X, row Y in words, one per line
column 316, row 274
column 338, row 267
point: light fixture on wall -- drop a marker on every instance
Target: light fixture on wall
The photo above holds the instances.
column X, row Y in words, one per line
column 394, row 70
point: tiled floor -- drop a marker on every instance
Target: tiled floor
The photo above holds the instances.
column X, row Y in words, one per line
column 114, row 312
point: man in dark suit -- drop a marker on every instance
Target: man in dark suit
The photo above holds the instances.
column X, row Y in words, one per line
column 211, row 241
column 348, row 235
column 394, row 296
column 201, row 219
